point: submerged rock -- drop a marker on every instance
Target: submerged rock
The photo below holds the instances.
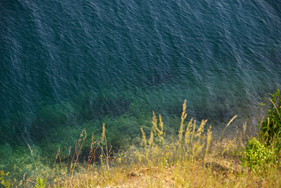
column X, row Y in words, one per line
column 105, row 105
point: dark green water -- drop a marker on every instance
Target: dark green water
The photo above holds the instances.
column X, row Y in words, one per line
column 69, row 65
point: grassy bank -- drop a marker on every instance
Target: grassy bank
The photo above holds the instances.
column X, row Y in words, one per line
column 192, row 158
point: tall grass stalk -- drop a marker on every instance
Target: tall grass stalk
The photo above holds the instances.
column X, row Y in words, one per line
column 230, row 121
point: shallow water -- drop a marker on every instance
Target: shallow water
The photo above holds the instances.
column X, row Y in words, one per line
column 70, row 64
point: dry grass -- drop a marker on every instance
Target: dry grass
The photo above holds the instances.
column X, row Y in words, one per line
column 193, row 159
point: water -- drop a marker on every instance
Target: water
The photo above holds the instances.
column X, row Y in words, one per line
column 66, row 65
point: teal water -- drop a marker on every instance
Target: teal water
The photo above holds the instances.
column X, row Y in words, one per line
column 67, row 65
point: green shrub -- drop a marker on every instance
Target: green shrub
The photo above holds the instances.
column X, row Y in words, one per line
column 6, row 183
column 257, row 155
column 270, row 126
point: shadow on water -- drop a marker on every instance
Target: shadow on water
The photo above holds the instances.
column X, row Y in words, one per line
column 39, row 125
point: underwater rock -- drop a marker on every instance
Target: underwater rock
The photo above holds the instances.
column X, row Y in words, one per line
column 49, row 117
column 158, row 77
column 104, row 105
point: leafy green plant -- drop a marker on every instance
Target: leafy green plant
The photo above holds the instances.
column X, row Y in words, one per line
column 270, row 126
column 40, row 183
column 6, row 183
column 257, row 155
